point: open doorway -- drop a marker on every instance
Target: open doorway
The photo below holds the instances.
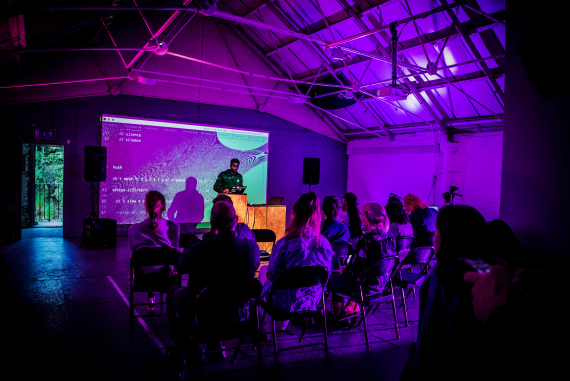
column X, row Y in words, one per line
column 43, row 176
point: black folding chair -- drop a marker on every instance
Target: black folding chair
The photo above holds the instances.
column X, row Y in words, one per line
column 342, row 252
column 224, row 312
column 265, row 235
column 386, row 266
column 420, row 256
column 157, row 281
column 403, row 245
column 293, row 279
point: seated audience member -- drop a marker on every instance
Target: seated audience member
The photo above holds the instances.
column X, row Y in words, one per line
column 301, row 246
column 154, row 232
column 226, row 256
column 516, row 340
column 422, row 219
column 350, row 216
column 507, row 248
column 376, row 242
column 447, row 339
column 331, row 228
column 399, row 220
column 242, row 230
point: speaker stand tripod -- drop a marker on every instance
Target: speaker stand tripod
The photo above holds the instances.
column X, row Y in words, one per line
column 93, row 215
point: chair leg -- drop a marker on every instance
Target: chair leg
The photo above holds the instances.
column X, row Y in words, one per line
column 237, row 349
column 304, row 329
column 258, row 341
column 275, row 345
column 131, row 309
column 364, row 319
column 404, row 306
column 414, row 291
column 326, row 333
column 396, row 316
column 375, row 308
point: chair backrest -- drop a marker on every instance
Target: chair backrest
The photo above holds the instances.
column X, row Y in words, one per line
column 420, row 255
column 264, row 235
column 341, row 248
column 226, row 296
column 155, row 256
column 385, row 266
column 404, row 242
column 301, row 276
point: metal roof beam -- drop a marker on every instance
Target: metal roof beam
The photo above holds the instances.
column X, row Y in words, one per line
column 465, row 35
column 383, row 50
column 324, row 60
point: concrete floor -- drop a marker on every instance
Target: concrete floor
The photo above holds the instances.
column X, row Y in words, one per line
column 63, row 317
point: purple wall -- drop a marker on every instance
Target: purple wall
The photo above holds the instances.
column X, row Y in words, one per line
column 535, row 178
column 78, row 120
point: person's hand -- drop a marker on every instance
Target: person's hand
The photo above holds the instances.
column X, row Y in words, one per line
column 226, row 191
column 490, row 290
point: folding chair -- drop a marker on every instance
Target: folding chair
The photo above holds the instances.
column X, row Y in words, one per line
column 223, row 312
column 403, row 245
column 342, row 251
column 156, row 281
column 293, row 279
column 386, row 266
column 265, row 235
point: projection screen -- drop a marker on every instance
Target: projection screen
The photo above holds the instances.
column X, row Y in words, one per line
column 180, row 160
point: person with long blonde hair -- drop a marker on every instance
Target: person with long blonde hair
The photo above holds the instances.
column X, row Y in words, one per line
column 303, row 245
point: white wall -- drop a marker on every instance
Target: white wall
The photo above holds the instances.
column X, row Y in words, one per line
column 377, row 168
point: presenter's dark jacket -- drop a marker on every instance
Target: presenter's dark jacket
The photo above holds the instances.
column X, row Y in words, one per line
column 228, row 179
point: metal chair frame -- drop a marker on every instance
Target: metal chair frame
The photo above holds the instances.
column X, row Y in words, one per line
column 291, row 279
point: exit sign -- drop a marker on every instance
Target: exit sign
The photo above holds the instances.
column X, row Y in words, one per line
column 44, row 134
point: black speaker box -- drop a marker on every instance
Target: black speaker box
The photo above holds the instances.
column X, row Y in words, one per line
column 95, row 168
column 99, row 233
column 311, row 170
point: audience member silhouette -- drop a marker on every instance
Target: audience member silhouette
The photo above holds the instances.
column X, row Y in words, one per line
column 242, row 230
column 302, row 245
column 154, row 232
column 351, row 216
column 376, row 242
column 422, row 219
column 399, row 219
column 224, row 257
column 334, row 230
column 187, row 205
column 448, row 333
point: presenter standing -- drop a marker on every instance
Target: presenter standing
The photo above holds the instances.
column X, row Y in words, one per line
column 229, row 178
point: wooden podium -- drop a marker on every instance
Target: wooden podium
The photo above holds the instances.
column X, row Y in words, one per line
column 261, row 216
column 270, row 217
column 240, row 205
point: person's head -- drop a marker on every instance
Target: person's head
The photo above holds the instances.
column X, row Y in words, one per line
column 306, row 215
column 331, row 206
column 223, row 197
column 349, row 201
column 461, row 232
column 504, row 243
column 396, row 212
column 223, row 216
column 234, row 165
column 374, row 217
column 155, row 206
column 413, row 202
column 191, row 183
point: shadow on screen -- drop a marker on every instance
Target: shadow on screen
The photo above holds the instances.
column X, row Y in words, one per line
column 187, row 205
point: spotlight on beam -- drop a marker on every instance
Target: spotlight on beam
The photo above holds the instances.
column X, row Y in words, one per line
column 147, row 81
column 208, row 7
column 160, row 48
